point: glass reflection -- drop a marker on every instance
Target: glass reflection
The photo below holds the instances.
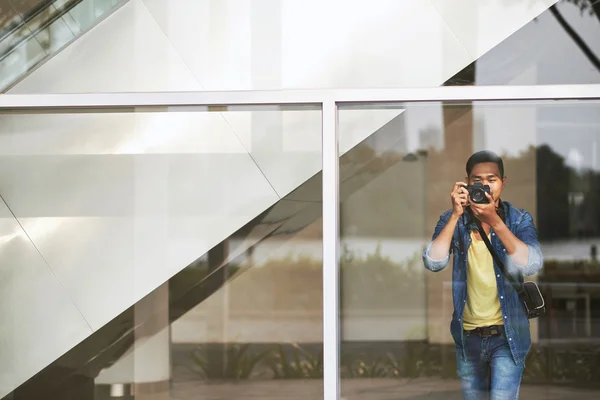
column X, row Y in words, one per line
column 559, row 46
column 396, row 315
column 248, row 326
column 216, row 226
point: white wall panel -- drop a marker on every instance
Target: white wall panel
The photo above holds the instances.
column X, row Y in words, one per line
column 382, row 43
column 217, row 46
column 208, row 44
column 481, row 25
column 311, row 44
column 32, row 302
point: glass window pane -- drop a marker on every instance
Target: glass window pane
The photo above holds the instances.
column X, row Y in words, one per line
column 187, row 245
column 396, row 315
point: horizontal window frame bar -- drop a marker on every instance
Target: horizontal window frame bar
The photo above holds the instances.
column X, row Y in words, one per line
column 32, row 102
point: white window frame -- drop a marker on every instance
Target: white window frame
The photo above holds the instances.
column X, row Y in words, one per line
column 329, row 100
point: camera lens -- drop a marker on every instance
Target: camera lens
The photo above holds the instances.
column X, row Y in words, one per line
column 477, row 196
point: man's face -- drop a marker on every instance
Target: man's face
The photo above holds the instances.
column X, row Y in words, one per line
column 488, row 173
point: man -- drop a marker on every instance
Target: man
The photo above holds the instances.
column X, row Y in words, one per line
column 489, row 325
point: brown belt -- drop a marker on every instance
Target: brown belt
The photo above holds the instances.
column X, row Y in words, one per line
column 487, row 331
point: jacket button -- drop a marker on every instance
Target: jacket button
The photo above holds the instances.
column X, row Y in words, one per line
column 501, row 297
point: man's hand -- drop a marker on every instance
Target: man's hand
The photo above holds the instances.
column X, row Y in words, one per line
column 460, row 198
column 486, row 213
column 440, row 247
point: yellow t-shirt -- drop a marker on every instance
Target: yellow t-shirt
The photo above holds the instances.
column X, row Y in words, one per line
column 483, row 305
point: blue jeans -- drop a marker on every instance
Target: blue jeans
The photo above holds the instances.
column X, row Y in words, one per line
column 489, row 371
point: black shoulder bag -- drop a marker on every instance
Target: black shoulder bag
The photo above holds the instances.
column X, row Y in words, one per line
column 529, row 293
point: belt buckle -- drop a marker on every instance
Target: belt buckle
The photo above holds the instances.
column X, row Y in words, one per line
column 490, row 330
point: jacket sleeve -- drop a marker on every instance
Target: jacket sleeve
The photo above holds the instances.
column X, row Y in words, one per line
column 527, row 233
column 430, row 263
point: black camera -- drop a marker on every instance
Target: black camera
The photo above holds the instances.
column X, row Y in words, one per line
column 477, row 192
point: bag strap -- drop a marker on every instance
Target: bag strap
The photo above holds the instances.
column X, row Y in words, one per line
column 516, row 285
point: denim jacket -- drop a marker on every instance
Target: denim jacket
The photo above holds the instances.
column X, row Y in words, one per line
column 516, row 323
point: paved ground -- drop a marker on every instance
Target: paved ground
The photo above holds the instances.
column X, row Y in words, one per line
column 357, row 389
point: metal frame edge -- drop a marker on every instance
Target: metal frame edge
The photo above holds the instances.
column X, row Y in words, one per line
column 331, row 252
column 298, row 97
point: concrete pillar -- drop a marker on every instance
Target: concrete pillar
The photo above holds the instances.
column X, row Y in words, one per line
column 217, row 315
column 152, row 349
column 144, row 372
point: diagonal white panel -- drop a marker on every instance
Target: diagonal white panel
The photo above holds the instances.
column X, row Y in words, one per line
column 217, row 45
column 481, row 25
column 32, row 305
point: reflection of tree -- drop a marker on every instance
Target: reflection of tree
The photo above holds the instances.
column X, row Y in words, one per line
column 590, row 6
column 552, row 194
column 559, row 214
column 594, row 9
column 587, row 211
